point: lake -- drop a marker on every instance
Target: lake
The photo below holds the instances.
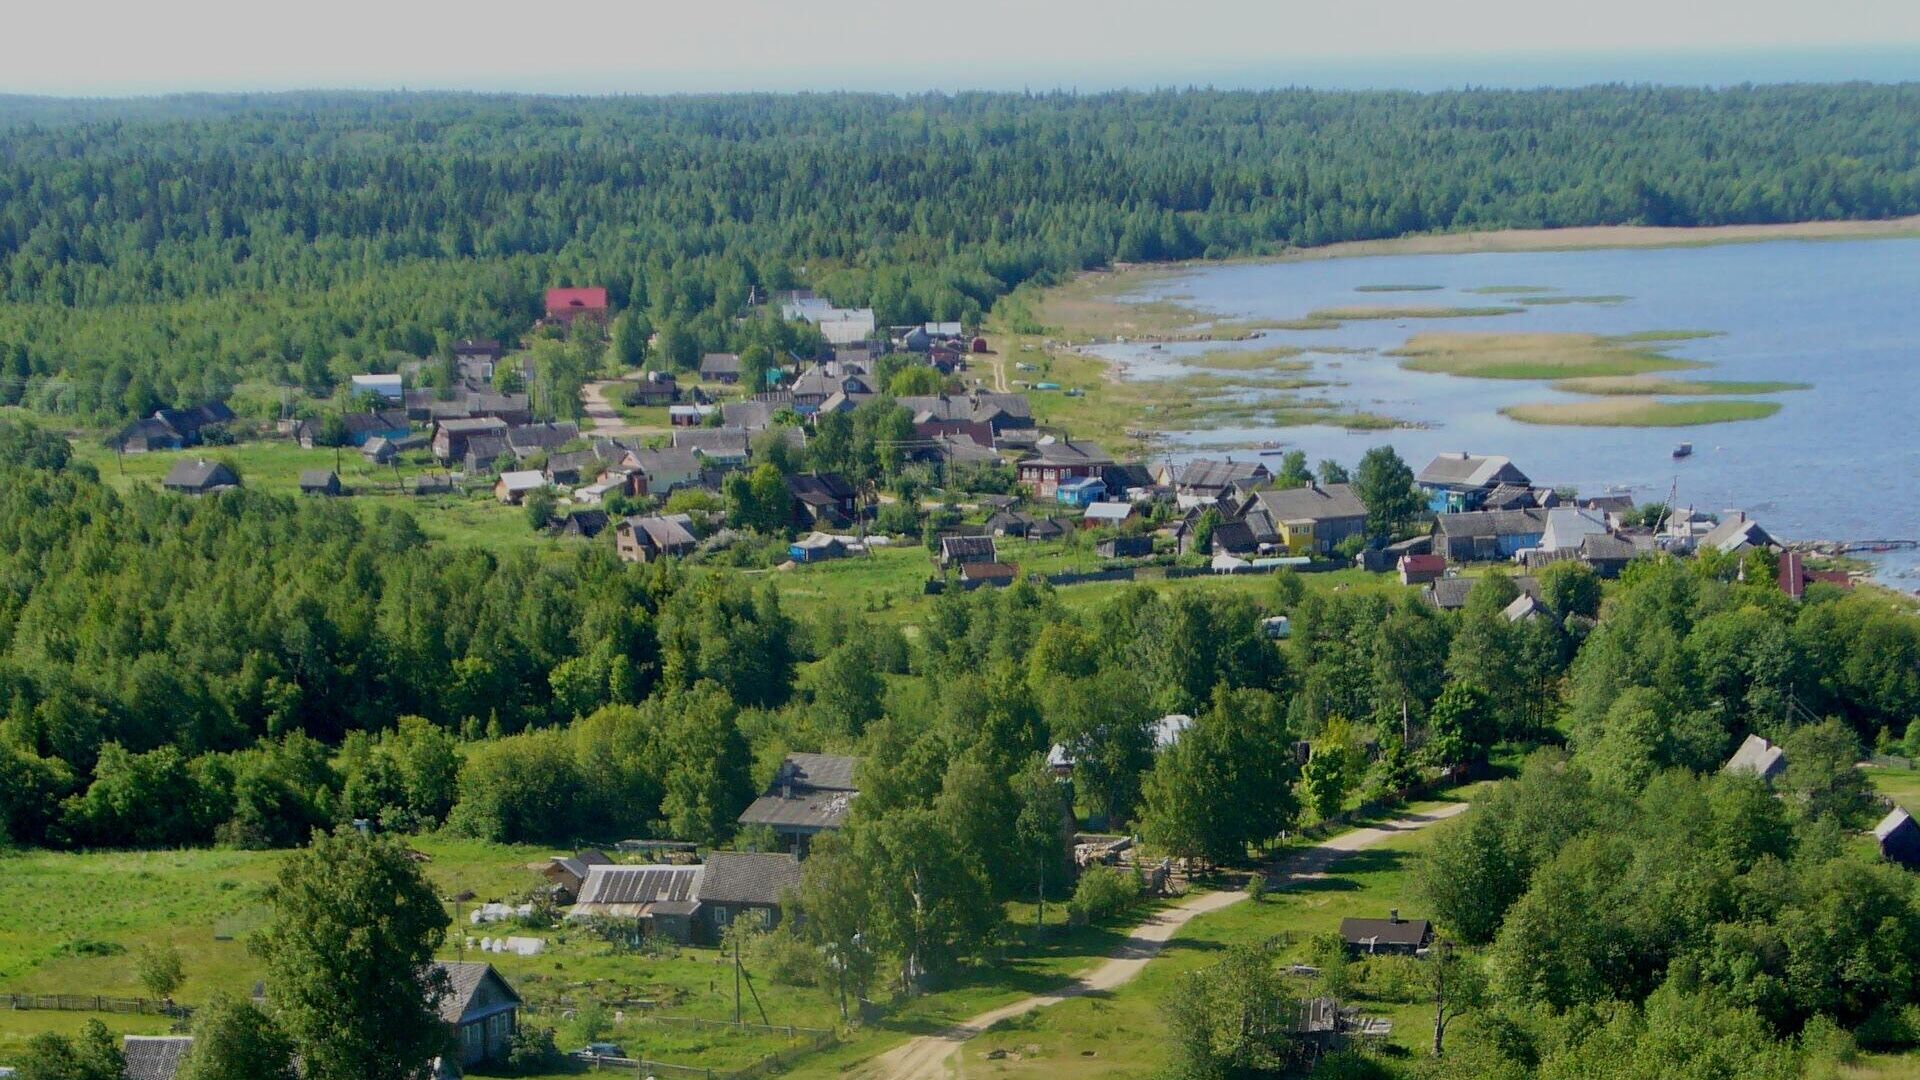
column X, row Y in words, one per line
column 1841, row 460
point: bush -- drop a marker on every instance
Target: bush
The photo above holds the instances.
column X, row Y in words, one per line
column 532, row 1051
column 788, row 960
column 1103, row 892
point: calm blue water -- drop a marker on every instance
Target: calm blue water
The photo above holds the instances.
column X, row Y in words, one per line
column 1839, row 461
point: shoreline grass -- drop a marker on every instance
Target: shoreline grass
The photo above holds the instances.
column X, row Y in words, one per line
column 1646, row 412
column 1547, row 356
column 1646, row 385
column 1269, row 358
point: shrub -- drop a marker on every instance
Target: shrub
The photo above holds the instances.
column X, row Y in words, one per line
column 532, row 1051
column 1103, row 892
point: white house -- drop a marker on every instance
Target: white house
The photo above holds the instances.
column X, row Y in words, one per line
column 385, row 386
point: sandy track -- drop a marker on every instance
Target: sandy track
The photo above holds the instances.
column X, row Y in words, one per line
column 927, row 1057
column 602, row 418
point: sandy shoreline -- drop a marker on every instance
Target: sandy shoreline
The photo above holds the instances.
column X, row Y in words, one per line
column 1576, row 239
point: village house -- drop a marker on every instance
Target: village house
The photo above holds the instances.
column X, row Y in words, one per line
column 199, row 477
column 989, row 573
column 1450, row 593
column 387, row 387
column 659, row 472
column 486, row 350
column 1460, row 481
column 1080, row 492
column 724, row 448
column 755, row 415
column 526, row 440
column 450, row 436
column 319, row 482
column 839, row 326
column 644, row 539
column 1101, row 515
column 690, row 416
column 661, row 898
column 979, row 416
column 817, row 547
column 513, row 487
column 656, row 389
column 582, row 524
column 1736, row 534
column 811, row 794
column 484, row 452
column 482, row 1011
column 960, row 550
column 1794, row 577
column 1207, row 480
column 564, row 306
column 749, row 885
column 565, row 874
column 821, row 499
column 359, row 427
column 433, row 484
column 171, row 429
column 572, row 466
column 1061, row 461
column 1899, row 839
column 154, row 1057
column 1235, row 537
column 721, row 367
column 1757, row 757
column 1420, row 569
column 1392, row 934
column 1124, row 547
column 1487, row 535
column 1310, row 520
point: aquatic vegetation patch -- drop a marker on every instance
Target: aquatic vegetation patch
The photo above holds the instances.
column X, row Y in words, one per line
column 1532, row 356
column 1397, row 288
column 1269, row 358
column 1512, row 290
column 1359, row 312
column 1641, row 385
column 1549, row 301
column 1649, row 412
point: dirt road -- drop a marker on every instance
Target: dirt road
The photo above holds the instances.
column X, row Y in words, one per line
column 602, row 418
column 927, row 1057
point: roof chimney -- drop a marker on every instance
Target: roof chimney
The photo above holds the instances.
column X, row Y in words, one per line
column 1393, row 915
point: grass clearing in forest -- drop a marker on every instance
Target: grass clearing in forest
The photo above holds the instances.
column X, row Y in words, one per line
column 1532, row 356
column 1640, row 412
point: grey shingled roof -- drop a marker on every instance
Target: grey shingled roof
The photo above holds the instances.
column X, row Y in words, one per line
column 1491, row 523
column 1450, row 593
column 1896, row 820
column 155, row 1057
column 464, row 979
column 197, row 473
column 1064, row 452
column 1202, row 473
column 1757, row 757
column 748, row 877
column 1314, row 503
column 1374, row 932
column 811, row 790
column 1464, row 470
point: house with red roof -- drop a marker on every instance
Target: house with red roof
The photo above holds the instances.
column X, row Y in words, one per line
column 566, row 305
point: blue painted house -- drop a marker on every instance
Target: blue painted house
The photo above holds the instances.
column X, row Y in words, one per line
column 1082, row 492
column 1459, row 482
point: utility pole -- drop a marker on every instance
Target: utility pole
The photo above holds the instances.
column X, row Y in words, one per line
column 736, row 979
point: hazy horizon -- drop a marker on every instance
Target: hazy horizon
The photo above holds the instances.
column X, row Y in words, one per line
column 599, row 47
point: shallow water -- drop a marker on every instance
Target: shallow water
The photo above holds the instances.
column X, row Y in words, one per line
column 1839, row 461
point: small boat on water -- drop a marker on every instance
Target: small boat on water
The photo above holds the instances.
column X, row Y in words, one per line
column 1271, row 453
column 1685, row 449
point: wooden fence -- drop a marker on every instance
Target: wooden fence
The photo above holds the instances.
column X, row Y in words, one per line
column 93, row 1003
column 806, row 1041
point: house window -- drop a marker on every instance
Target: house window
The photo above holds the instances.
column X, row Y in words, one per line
column 722, row 914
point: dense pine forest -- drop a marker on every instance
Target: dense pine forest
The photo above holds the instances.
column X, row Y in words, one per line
column 169, row 251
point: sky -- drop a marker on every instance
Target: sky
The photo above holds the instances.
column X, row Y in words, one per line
column 119, row 47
